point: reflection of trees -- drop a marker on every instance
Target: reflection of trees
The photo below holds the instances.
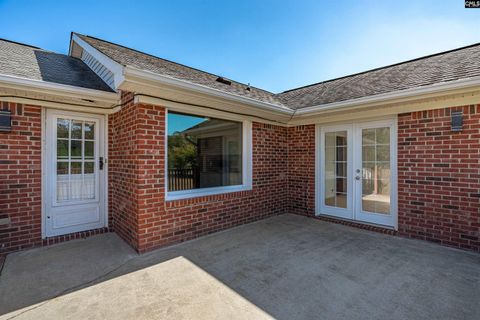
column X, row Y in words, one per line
column 182, row 152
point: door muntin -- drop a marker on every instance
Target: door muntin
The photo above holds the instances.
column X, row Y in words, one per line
column 76, row 149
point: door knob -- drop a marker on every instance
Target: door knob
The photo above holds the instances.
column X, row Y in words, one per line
column 357, row 178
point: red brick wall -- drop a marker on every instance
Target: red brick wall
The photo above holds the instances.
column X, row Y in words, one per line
column 140, row 213
column 20, row 182
column 301, row 170
column 438, row 172
column 439, row 177
column 122, row 171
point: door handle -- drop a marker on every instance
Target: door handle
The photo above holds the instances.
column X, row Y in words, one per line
column 357, row 178
column 100, row 163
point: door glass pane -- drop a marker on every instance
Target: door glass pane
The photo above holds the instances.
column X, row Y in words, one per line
column 376, row 170
column 76, row 149
column 89, row 180
column 89, row 149
column 75, row 180
column 62, row 181
column 62, row 149
column 89, row 129
column 63, row 127
column 76, row 176
column 76, row 129
column 336, row 169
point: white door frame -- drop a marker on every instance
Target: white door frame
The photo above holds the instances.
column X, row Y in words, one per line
column 46, row 172
column 354, row 154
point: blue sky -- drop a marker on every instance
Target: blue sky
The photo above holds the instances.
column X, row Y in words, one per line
column 275, row 45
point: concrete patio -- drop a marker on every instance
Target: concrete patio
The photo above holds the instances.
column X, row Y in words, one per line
column 286, row 267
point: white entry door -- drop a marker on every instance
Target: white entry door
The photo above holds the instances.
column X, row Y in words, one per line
column 75, row 173
column 357, row 178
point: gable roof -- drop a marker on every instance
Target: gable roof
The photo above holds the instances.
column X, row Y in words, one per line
column 29, row 62
column 140, row 60
column 461, row 63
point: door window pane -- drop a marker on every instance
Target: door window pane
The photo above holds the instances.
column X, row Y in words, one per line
column 63, row 127
column 336, row 169
column 62, row 149
column 89, row 129
column 62, row 181
column 376, row 170
column 88, row 191
column 203, row 152
column 76, row 130
column 76, row 149
column 76, row 177
column 88, row 152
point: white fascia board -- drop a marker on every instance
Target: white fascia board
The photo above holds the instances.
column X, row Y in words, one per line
column 51, row 88
column 386, row 97
column 162, row 79
column 115, row 67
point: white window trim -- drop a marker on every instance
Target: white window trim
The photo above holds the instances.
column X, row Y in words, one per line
column 246, row 167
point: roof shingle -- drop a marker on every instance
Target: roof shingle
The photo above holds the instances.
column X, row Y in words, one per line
column 33, row 63
column 130, row 57
column 442, row 67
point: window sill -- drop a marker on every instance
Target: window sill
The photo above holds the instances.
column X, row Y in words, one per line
column 188, row 194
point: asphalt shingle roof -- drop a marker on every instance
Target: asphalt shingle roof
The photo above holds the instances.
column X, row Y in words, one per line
column 447, row 66
column 33, row 63
column 130, row 57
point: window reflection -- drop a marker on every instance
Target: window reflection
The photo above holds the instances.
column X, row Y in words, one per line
column 203, row 152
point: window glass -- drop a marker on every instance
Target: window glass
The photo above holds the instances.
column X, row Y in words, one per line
column 203, row 152
column 336, row 192
column 75, row 160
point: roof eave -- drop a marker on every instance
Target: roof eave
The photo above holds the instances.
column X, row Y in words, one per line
column 413, row 93
column 135, row 73
column 51, row 88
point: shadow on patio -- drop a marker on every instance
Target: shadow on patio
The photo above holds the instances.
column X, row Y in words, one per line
column 286, row 267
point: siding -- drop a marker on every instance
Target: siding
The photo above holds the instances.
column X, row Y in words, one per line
column 99, row 69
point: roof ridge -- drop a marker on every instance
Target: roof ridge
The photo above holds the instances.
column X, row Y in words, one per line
column 177, row 63
column 380, row 68
column 21, row 43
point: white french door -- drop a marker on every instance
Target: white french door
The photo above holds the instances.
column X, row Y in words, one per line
column 357, row 179
column 75, row 174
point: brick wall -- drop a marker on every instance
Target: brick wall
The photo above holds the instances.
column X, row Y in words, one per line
column 439, row 177
column 438, row 172
column 195, row 217
column 20, row 182
column 138, row 208
column 301, row 170
column 122, row 171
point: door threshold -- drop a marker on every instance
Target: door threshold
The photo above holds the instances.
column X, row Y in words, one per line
column 357, row 223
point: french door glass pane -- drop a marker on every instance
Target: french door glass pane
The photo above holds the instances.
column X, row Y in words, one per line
column 336, row 169
column 376, row 170
column 75, row 160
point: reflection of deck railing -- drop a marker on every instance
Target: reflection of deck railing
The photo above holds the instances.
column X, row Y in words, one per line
column 182, row 179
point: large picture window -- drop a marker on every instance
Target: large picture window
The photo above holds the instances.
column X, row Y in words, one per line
column 203, row 152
